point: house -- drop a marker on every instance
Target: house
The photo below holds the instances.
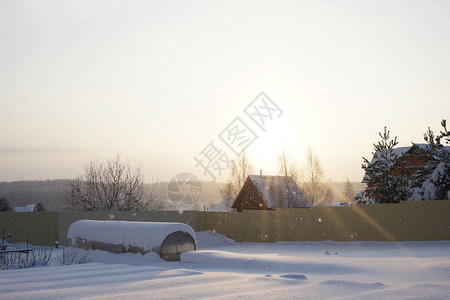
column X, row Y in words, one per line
column 409, row 160
column 270, row 192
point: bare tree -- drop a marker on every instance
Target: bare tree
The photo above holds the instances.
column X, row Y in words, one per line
column 349, row 192
column 227, row 191
column 287, row 168
column 315, row 189
column 152, row 199
column 239, row 172
column 110, row 186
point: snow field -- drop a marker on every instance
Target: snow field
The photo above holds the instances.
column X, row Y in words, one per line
column 225, row 269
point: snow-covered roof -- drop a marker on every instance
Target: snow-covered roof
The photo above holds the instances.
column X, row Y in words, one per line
column 275, row 191
column 28, row 208
column 224, row 206
column 146, row 235
column 398, row 151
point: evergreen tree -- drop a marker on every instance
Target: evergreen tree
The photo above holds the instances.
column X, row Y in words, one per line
column 444, row 134
column 39, row 207
column 432, row 180
column 382, row 185
column 4, row 205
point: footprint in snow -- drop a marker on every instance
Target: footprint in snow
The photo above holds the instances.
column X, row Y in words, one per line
column 294, row 276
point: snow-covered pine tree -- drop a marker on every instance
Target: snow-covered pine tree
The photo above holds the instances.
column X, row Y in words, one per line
column 437, row 186
column 382, row 185
column 424, row 171
column 432, row 180
column 444, row 134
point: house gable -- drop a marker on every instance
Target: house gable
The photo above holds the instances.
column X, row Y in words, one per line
column 410, row 161
column 245, row 201
column 270, row 192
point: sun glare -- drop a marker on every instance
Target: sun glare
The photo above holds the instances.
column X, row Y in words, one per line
column 265, row 151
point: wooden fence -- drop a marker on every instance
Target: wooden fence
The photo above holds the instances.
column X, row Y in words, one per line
column 414, row 221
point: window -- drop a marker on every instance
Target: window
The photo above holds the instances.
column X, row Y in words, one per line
column 251, row 194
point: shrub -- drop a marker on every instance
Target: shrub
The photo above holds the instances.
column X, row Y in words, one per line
column 15, row 260
column 69, row 257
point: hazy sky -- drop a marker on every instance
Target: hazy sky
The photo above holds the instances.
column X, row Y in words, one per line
column 157, row 81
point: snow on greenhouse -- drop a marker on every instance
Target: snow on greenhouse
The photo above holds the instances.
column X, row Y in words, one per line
column 169, row 240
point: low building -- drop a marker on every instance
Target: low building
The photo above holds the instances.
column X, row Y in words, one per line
column 28, row 208
column 270, row 192
column 224, row 206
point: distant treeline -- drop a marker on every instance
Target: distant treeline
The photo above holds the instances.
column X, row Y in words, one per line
column 49, row 192
column 22, row 193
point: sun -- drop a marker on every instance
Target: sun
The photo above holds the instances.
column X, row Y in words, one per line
column 278, row 137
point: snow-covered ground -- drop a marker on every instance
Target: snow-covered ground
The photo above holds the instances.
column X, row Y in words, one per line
column 228, row 270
